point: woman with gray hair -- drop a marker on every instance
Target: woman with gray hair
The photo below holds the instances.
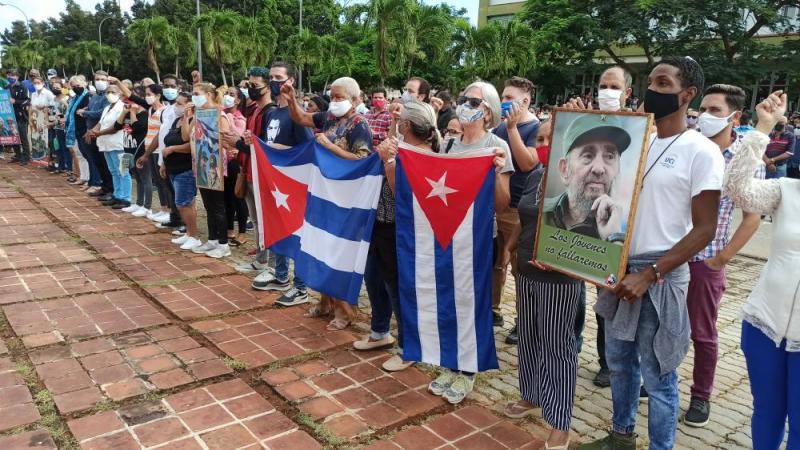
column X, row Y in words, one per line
column 346, row 134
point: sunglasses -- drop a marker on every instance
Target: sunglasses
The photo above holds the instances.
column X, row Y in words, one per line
column 255, row 86
column 450, row 131
column 471, row 101
column 692, row 117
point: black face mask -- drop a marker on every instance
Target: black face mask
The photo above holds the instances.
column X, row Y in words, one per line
column 255, row 94
column 78, row 90
column 779, row 127
column 661, row 105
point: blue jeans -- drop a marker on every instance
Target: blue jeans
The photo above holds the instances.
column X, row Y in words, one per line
column 185, row 188
column 94, row 172
column 282, row 272
column 629, row 363
column 774, row 375
column 384, row 294
column 122, row 181
column 780, row 172
column 64, row 156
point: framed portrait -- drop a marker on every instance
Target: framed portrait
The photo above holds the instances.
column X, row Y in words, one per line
column 207, row 154
column 590, row 191
column 9, row 133
column 38, row 133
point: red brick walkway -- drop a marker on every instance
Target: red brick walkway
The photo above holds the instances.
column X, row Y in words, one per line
column 111, row 338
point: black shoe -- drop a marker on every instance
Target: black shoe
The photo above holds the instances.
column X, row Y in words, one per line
column 614, row 441
column 110, row 202
column 697, row 415
column 249, row 226
column 97, row 194
column 603, row 378
column 513, row 337
column 104, row 197
column 643, row 395
column 497, row 319
column 169, row 224
column 121, row 204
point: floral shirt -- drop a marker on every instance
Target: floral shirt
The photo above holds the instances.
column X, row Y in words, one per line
column 352, row 134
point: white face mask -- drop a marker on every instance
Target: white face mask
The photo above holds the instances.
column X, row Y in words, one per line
column 101, row 86
column 71, row 93
column 112, row 98
column 711, row 126
column 150, row 99
column 407, row 97
column 228, row 101
column 362, row 108
column 609, row 99
column 339, row 109
column 38, row 87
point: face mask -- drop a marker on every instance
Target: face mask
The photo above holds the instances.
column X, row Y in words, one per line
column 711, row 126
column 178, row 110
column 275, row 88
column 362, row 108
column 339, row 109
column 112, row 98
column 150, row 99
column 305, row 106
column 170, row 93
column 38, row 87
column 78, row 90
column 11, row 80
column 467, row 115
column 407, row 97
column 245, row 93
column 661, row 105
column 380, row 104
column 228, row 101
column 544, row 116
column 254, row 94
column 609, row 99
column 543, row 152
column 199, row 100
column 691, row 121
column 101, row 86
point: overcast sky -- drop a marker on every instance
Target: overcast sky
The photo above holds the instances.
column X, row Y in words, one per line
column 42, row 9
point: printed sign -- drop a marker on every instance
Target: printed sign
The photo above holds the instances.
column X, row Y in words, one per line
column 208, row 158
column 37, row 133
column 9, row 133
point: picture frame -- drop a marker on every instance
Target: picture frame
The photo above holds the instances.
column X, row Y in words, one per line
column 208, row 157
column 9, row 133
column 590, row 192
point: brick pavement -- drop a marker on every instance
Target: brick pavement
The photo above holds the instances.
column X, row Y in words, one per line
column 111, row 338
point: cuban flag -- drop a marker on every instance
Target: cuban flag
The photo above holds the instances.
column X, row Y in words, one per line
column 317, row 209
column 444, row 220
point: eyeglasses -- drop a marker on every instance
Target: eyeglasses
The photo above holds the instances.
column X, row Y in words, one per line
column 255, row 86
column 471, row 101
column 452, row 131
column 691, row 117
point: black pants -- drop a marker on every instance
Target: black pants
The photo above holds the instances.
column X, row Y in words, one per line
column 214, row 202
column 102, row 168
column 235, row 208
column 793, row 172
column 23, row 150
column 601, row 341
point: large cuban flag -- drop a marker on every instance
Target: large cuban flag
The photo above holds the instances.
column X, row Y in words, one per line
column 444, row 219
column 317, row 209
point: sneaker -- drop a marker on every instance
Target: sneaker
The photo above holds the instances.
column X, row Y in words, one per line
column 614, row 441
column 513, row 337
column 191, row 243
column 220, row 251
column 170, row 224
column 121, row 204
column 266, row 281
column 603, row 378
column 181, row 230
column 459, row 389
column 294, row 297
column 697, row 414
column 249, row 225
column 396, row 364
column 497, row 319
column 141, row 212
column 250, row 267
column 207, row 247
column 163, row 217
column 643, row 396
column 440, row 384
column 153, row 216
column 367, row 343
column 131, row 209
column 180, row 239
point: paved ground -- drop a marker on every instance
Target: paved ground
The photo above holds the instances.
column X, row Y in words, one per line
column 111, row 338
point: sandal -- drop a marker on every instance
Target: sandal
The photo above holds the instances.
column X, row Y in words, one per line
column 338, row 324
column 317, row 311
column 518, row 410
column 233, row 242
column 564, row 446
column 241, row 238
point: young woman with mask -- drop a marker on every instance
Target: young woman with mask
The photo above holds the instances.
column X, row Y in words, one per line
column 233, row 103
column 133, row 123
column 74, row 130
column 110, row 143
column 204, row 96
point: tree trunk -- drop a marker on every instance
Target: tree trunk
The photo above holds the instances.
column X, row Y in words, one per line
column 177, row 65
column 158, row 77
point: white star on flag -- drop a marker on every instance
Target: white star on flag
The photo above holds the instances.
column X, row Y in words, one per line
column 438, row 188
column 280, row 198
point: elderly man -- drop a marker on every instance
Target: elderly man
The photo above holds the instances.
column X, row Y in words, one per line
column 588, row 169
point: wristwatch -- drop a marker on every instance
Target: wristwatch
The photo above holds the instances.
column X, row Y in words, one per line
column 657, row 271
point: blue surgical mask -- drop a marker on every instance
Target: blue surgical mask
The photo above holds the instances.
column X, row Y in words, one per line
column 467, row 114
column 170, row 94
column 407, row 97
column 199, row 100
column 12, row 80
column 245, row 93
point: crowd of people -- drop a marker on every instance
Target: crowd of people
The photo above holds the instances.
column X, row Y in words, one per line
column 109, row 132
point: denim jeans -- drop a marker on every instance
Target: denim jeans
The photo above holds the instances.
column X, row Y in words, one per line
column 94, row 172
column 629, row 362
column 380, row 278
column 63, row 155
column 120, row 180
column 780, row 172
column 282, row 272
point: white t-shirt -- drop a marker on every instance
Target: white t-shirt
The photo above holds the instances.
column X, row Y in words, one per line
column 167, row 118
column 114, row 141
column 42, row 99
column 692, row 164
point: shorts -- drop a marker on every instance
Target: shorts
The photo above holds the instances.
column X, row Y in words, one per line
column 185, row 188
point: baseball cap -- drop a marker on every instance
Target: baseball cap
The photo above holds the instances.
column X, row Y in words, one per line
column 591, row 126
column 51, row 73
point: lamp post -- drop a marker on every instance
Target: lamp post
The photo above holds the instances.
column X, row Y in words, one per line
column 199, row 45
column 100, row 36
column 27, row 21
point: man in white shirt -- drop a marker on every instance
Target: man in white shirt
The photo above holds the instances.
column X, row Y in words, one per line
column 647, row 323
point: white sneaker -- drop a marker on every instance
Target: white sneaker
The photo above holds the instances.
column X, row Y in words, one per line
column 207, row 247
column 131, row 209
column 250, row 267
column 221, row 251
column 153, row 216
column 142, row 212
column 180, row 239
column 191, row 243
column 162, row 217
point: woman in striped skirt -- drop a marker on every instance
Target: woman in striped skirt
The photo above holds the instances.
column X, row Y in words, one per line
column 547, row 305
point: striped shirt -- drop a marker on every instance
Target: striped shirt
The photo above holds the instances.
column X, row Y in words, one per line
column 153, row 125
column 379, row 123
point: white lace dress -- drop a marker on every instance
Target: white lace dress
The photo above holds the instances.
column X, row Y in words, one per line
column 774, row 305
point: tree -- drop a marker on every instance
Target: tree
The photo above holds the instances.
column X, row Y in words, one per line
column 257, row 40
column 60, row 57
column 389, row 17
column 155, row 34
column 219, row 35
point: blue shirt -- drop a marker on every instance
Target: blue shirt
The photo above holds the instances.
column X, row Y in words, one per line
column 29, row 86
column 519, row 179
column 278, row 128
column 95, row 109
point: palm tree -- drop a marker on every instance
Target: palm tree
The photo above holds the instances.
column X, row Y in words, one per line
column 219, row 35
column 60, row 57
column 335, row 58
column 303, row 49
column 86, row 54
column 504, row 49
column 257, row 41
column 155, row 34
column 107, row 55
column 33, row 52
column 184, row 41
column 426, row 36
column 389, row 16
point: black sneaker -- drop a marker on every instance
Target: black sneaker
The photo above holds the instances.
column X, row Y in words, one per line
column 110, row 202
column 293, row 297
column 643, row 395
column 497, row 319
column 249, row 225
column 105, row 197
column 513, row 337
column 169, row 224
column 121, row 204
column 698, row 412
column 614, row 441
column 603, row 379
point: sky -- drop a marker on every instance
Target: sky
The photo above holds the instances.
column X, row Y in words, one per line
column 42, row 9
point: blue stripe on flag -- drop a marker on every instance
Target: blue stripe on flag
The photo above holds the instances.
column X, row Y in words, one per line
column 347, row 223
column 446, row 306
column 404, row 220
column 482, row 244
column 329, row 164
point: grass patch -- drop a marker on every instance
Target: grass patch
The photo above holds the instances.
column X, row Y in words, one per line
column 3, row 323
column 52, row 422
column 105, row 405
column 153, row 396
column 27, row 372
column 329, row 439
column 235, row 364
